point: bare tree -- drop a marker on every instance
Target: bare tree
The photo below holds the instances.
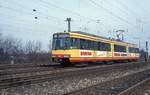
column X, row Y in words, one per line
column 1, row 49
column 32, row 47
column 1, row 40
column 29, row 47
column 38, row 46
column 10, row 46
column 29, row 52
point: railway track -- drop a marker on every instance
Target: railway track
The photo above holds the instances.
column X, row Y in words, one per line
column 26, row 68
column 117, row 86
column 23, row 65
column 141, row 88
column 7, row 81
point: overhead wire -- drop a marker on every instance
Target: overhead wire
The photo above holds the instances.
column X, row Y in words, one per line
column 79, row 14
column 59, row 8
column 47, row 16
column 142, row 8
column 111, row 13
column 117, row 7
column 31, row 11
column 126, row 7
column 19, row 26
column 27, row 13
column 66, row 10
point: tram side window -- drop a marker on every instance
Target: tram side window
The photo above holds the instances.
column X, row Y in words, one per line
column 88, row 45
column 136, row 50
column 75, row 43
column 104, row 46
column 119, row 48
column 83, row 44
column 94, row 45
column 133, row 50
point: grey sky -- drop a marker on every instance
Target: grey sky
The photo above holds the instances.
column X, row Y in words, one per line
column 17, row 18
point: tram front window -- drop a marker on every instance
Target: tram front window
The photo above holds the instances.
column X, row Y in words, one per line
column 61, row 43
column 64, row 42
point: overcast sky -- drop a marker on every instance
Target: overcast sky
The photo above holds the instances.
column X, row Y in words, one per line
column 98, row 17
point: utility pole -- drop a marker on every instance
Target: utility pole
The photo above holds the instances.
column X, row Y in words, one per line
column 147, row 55
column 139, row 42
column 97, row 25
column 69, row 24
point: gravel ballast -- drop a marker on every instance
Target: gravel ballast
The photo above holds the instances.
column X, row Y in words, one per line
column 62, row 86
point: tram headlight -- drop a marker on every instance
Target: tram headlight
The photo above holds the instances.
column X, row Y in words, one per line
column 66, row 56
column 53, row 56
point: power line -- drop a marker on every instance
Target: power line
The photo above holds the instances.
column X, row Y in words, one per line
column 22, row 27
column 29, row 13
column 58, row 18
column 126, row 7
column 23, row 22
column 66, row 10
column 20, row 21
column 110, row 12
column 15, row 10
column 39, row 14
column 142, row 8
column 121, row 10
column 132, row 11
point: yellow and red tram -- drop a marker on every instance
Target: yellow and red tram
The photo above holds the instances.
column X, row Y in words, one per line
column 76, row 47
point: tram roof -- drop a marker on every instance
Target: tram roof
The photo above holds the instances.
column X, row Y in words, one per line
column 89, row 34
